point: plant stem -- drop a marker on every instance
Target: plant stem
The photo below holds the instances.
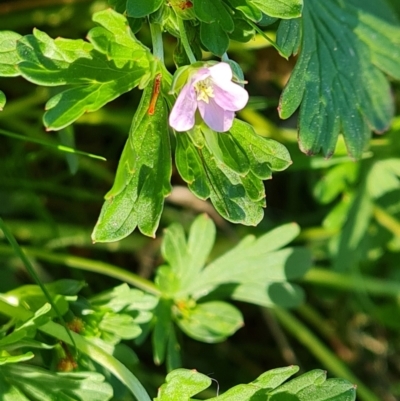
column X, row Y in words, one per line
column 343, row 281
column 96, row 266
column 321, row 352
column 386, row 220
column 156, row 39
column 49, row 144
column 185, row 40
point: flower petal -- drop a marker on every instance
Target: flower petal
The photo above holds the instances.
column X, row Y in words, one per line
column 221, row 72
column 230, row 96
column 182, row 114
column 215, row 117
column 201, row 74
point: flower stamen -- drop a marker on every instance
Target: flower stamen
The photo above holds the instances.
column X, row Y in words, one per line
column 204, row 90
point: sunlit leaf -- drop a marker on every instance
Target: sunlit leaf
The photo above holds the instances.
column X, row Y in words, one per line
column 279, row 8
column 9, row 57
column 143, row 176
column 28, row 383
column 182, row 384
column 337, row 81
column 210, row 321
column 98, row 73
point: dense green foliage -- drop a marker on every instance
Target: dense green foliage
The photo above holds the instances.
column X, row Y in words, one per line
column 134, row 257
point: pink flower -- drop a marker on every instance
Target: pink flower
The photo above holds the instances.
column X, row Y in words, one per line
column 212, row 91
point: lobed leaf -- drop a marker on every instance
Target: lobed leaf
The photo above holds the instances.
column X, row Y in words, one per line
column 143, row 176
column 228, row 168
column 284, row 9
column 182, row 384
column 337, row 79
column 114, row 63
column 24, row 383
column 9, row 57
column 210, row 322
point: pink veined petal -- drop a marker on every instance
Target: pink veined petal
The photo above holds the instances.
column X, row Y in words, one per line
column 230, row 96
column 215, row 117
column 182, row 114
column 221, row 72
column 200, row 75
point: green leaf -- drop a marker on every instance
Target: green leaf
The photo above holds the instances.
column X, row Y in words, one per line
column 210, row 322
column 288, row 36
column 98, row 73
column 118, row 5
column 214, row 38
column 9, row 57
column 4, row 360
column 201, row 240
column 229, row 195
column 314, row 386
column 243, row 31
column 182, row 384
column 124, row 298
column 227, row 150
column 121, row 325
column 142, row 8
column 210, row 11
column 349, row 250
column 383, row 177
column 265, row 155
column 173, row 248
column 336, row 181
column 24, row 383
column 185, row 259
column 285, row 295
column 143, row 176
column 162, row 330
column 3, row 100
column 255, row 271
column 255, row 261
column 347, row 93
column 284, row 9
column 249, row 11
column 190, row 166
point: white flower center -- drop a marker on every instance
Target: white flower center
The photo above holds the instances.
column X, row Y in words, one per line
column 204, row 89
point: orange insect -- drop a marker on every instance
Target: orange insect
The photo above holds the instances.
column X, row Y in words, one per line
column 154, row 97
